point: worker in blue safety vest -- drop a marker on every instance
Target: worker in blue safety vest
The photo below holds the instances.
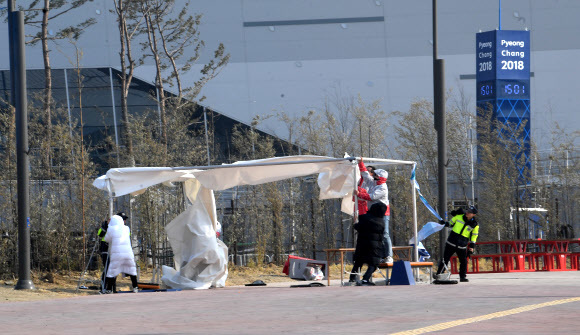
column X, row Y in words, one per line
column 461, row 240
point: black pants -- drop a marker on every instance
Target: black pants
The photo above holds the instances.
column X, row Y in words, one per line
column 111, row 283
column 461, row 254
column 356, row 268
column 104, row 259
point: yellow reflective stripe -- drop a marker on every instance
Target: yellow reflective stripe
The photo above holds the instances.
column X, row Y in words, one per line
column 455, row 219
column 458, row 219
column 474, row 234
column 99, row 233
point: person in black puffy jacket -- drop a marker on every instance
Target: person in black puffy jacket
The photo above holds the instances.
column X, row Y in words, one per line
column 369, row 245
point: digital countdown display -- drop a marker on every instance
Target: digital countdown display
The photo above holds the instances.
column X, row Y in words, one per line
column 503, row 89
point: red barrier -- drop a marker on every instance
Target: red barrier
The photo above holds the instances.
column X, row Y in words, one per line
column 574, row 261
column 524, row 256
column 517, row 262
column 498, row 264
column 558, row 261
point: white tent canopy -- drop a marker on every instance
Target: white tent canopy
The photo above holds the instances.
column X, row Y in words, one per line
column 200, row 258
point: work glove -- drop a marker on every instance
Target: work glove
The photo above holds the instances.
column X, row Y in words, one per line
column 443, row 222
column 470, row 249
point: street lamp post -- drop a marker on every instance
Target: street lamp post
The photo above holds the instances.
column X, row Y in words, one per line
column 439, row 111
column 19, row 101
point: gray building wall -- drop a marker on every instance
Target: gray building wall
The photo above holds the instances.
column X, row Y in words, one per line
column 290, row 55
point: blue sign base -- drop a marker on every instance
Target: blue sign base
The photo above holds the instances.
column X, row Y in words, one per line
column 402, row 274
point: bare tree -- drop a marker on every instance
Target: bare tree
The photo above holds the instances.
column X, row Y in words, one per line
column 349, row 125
column 152, row 12
column 52, row 11
column 128, row 22
column 169, row 37
column 255, row 223
column 500, row 166
column 557, row 181
column 8, row 208
column 344, row 124
column 181, row 35
column 57, row 223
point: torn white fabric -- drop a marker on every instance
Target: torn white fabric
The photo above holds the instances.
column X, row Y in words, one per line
column 200, row 258
column 130, row 180
column 195, row 192
column 134, row 180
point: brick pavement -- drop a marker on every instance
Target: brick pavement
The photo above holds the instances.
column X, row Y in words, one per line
column 535, row 300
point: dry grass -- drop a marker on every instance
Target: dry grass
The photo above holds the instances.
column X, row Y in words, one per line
column 64, row 284
column 47, row 286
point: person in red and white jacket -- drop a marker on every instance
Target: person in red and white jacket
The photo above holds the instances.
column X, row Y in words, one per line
column 365, row 185
column 379, row 192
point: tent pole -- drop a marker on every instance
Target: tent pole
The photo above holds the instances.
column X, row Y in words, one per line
column 416, row 248
column 355, row 214
column 225, row 166
column 355, row 188
column 110, row 198
column 392, row 161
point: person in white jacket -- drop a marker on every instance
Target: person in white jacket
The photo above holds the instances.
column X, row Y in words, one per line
column 121, row 257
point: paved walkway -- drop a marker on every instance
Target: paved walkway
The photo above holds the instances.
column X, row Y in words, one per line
column 520, row 303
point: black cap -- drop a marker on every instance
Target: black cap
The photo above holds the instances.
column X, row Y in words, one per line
column 123, row 215
column 472, row 210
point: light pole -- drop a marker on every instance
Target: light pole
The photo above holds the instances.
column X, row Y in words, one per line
column 439, row 111
column 19, row 101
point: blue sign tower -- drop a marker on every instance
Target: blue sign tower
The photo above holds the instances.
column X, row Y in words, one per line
column 503, row 83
